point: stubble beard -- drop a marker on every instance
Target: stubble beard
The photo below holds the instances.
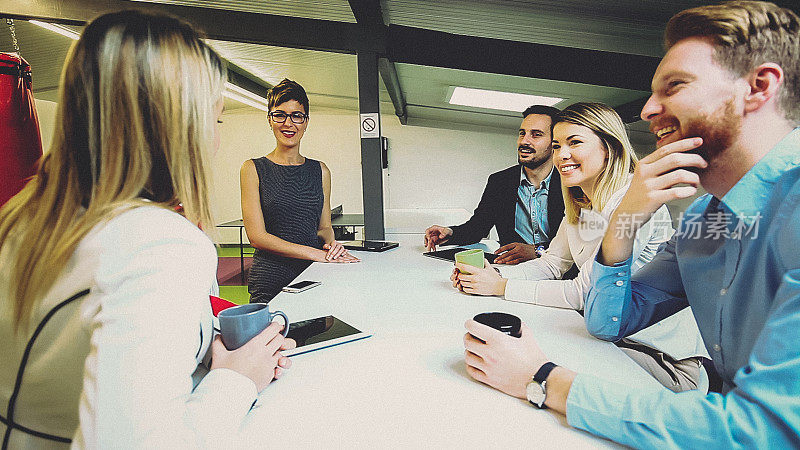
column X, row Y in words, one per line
column 719, row 131
column 533, row 163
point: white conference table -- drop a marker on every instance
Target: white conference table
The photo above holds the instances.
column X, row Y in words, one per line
column 406, row 386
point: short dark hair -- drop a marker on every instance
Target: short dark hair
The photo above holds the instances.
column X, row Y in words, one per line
column 287, row 90
column 543, row 110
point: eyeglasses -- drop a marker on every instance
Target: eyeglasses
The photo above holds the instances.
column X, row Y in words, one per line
column 280, row 116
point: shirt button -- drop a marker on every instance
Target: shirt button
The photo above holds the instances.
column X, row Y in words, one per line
column 723, row 291
column 619, row 283
column 614, row 319
column 717, row 347
column 621, row 274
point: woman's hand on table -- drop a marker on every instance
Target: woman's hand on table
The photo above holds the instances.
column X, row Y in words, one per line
column 324, row 255
column 504, row 362
column 259, row 359
column 485, row 281
column 335, row 249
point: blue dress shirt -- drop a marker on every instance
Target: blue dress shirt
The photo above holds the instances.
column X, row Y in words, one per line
column 736, row 262
column 530, row 217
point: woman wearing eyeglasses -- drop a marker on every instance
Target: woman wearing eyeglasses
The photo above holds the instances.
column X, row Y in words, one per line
column 286, row 201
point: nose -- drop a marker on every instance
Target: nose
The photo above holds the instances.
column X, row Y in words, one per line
column 561, row 154
column 651, row 109
column 527, row 138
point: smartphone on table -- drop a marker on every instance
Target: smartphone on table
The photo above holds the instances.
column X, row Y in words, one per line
column 301, row 286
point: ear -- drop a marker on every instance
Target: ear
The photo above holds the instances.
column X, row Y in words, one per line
column 764, row 81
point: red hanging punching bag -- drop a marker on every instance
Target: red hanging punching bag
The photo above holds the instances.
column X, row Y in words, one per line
column 20, row 141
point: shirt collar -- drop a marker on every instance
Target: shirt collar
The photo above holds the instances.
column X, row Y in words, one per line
column 750, row 193
column 523, row 180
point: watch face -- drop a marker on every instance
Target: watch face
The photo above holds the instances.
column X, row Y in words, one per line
column 535, row 393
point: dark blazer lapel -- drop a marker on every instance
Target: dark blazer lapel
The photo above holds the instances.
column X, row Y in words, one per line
column 505, row 222
column 512, row 189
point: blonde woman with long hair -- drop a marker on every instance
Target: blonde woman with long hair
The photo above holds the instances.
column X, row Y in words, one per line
column 104, row 309
column 595, row 159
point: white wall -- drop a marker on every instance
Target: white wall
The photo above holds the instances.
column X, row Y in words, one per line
column 245, row 134
column 442, row 168
column 428, row 168
column 46, row 112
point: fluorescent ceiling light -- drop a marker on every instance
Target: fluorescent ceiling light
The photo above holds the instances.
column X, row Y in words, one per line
column 64, row 31
column 231, row 90
column 505, row 101
column 234, row 92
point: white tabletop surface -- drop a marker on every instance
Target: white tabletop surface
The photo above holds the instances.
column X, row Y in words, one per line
column 406, row 386
column 415, row 221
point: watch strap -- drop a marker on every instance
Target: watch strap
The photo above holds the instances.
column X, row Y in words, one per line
column 543, row 372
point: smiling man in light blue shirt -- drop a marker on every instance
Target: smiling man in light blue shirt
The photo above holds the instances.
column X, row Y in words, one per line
column 530, row 215
column 725, row 107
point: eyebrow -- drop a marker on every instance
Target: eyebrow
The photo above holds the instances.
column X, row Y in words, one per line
column 532, row 130
column 570, row 137
column 668, row 75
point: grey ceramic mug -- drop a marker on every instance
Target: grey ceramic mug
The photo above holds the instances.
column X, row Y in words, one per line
column 239, row 324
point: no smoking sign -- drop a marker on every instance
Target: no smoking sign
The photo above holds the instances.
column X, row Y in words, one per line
column 370, row 127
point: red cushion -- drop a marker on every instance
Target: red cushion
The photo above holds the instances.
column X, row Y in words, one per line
column 218, row 304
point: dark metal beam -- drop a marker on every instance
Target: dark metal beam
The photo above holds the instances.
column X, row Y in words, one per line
column 392, row 82
column 369, row 17
column 396, row 43
column 247, row 81
column 629, row 112
column 236, row 26
column 438, row 49
column 371, row 161
column 368, row 14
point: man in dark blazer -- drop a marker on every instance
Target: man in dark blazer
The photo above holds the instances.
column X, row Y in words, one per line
column 524, row 199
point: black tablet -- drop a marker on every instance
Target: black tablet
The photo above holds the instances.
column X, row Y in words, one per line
column 322, row 332
column 450, row 254
column 369, row 246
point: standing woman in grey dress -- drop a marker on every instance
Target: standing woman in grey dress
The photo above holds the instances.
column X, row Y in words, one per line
column 286, row 201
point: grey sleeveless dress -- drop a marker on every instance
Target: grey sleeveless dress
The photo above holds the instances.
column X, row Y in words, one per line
column 291, row 202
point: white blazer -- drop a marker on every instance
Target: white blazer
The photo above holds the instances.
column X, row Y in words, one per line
column 120, row 334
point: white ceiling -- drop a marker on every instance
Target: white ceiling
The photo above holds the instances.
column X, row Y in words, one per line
column 44, row 50
column 627, row 26
column 330, row 79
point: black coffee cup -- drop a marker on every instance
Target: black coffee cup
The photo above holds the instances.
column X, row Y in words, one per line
column 507, row 323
